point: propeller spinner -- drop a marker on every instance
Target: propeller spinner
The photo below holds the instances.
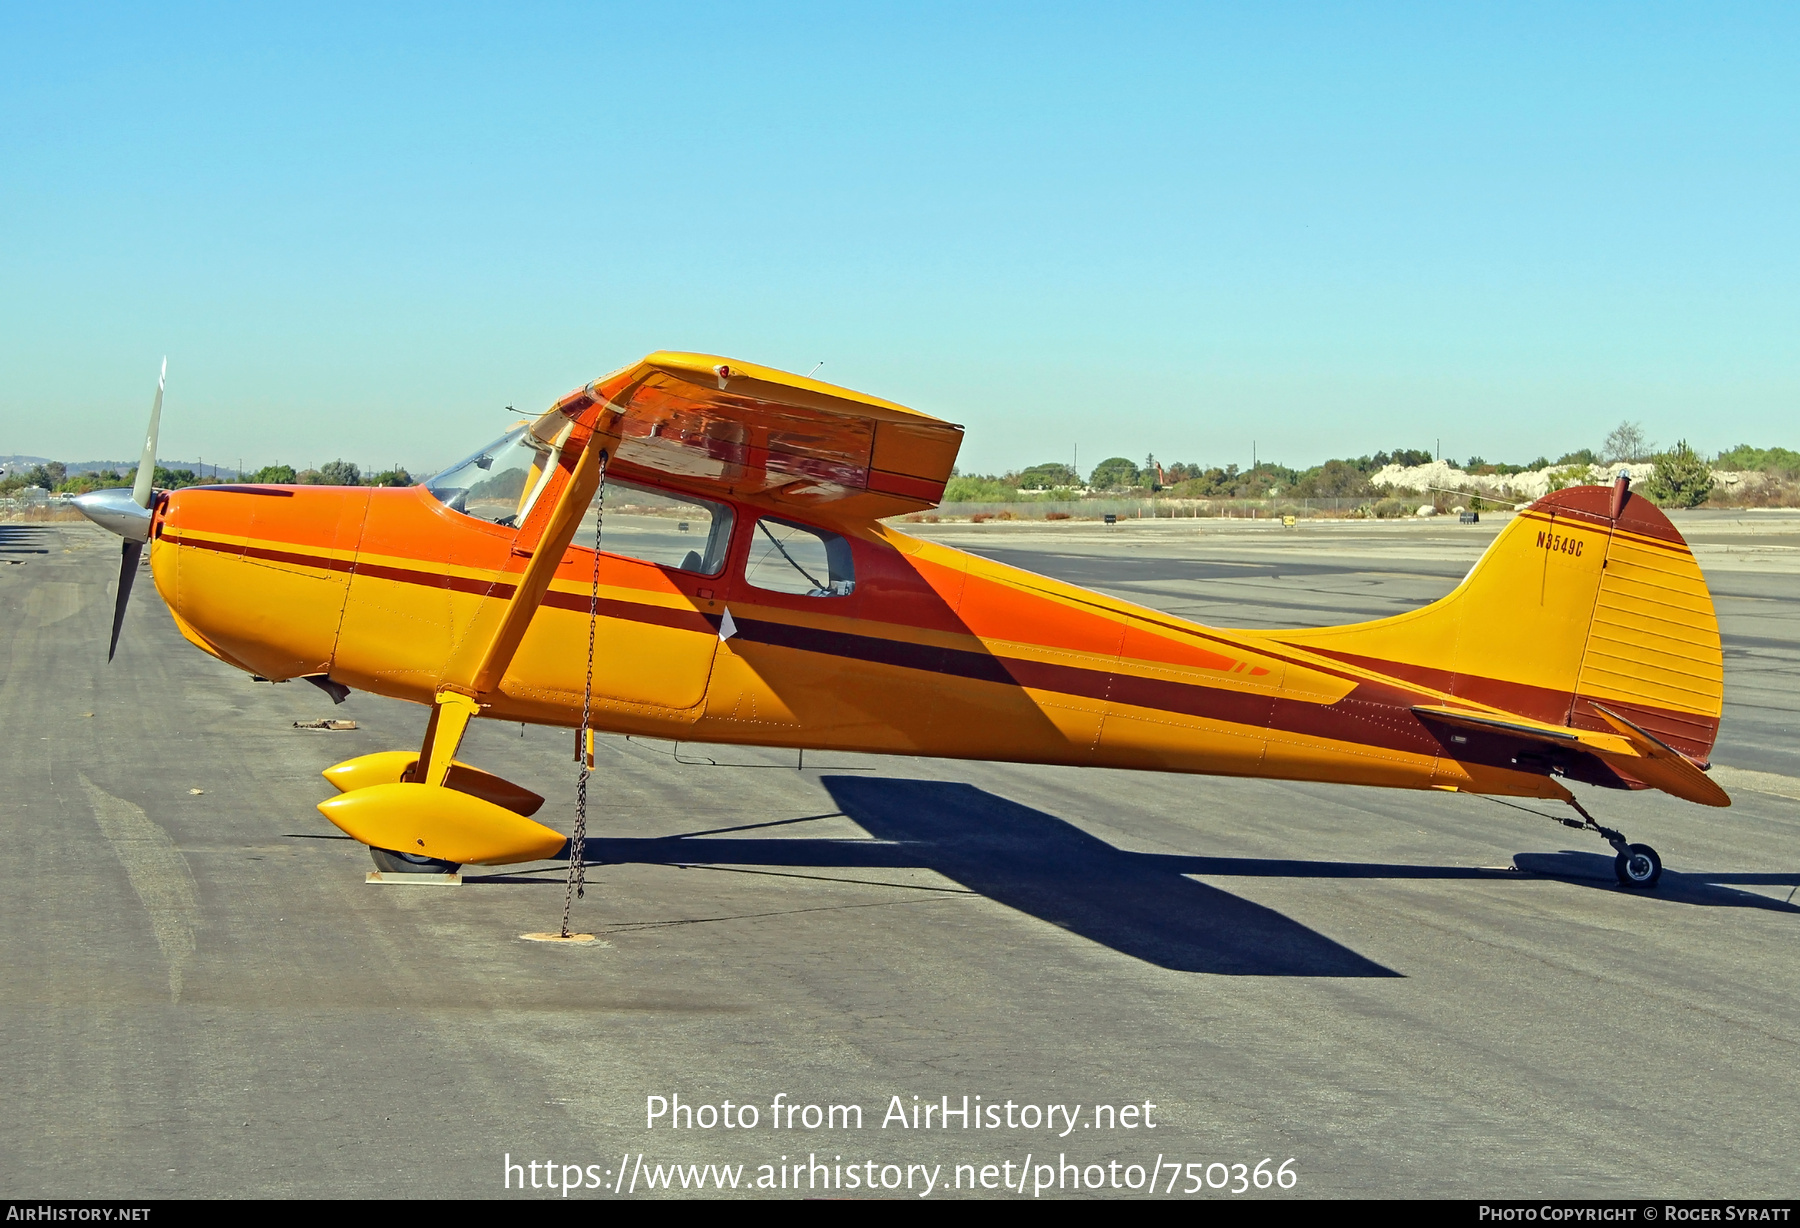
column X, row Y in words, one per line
column 127, row 513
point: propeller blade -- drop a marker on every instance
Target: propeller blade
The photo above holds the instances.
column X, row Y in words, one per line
column 146, row 474
column 128, row 567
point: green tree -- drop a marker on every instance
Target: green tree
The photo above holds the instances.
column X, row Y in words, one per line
column 93, row 479
column 174, row 479
column 1113, row 473
column 1335, row 479
column 1048, row 477
column 1569, row 475
column 273, row 475
column 391, row 477
column 339, row 473
column 1580, row 456
column 1267, row 479
column 1767, row 460
column 975, row 488
column 1681, row 479
column 1210, row 484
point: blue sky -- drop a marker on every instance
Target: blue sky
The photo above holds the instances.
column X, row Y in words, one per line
column 362, row 231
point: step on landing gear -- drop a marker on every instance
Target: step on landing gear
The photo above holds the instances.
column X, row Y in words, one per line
column 1637, row 865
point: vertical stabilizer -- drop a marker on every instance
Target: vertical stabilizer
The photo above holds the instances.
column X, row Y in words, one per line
column 1589, row 595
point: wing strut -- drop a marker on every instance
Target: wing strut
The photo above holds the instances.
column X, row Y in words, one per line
column 480, row 661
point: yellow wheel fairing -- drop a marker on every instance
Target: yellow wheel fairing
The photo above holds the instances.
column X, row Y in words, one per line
column 433, row 821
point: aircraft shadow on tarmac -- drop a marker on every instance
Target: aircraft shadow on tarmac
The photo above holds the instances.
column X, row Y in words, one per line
column 1140, row 904
column 1713, row 890
column 22, row 539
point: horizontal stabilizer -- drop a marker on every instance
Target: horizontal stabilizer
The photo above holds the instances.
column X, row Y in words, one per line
column 1663, row 766
column 1469, row 720
column 1633, row 750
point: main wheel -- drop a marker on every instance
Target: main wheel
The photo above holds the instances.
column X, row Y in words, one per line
column 1638, row 867
column 390, row 862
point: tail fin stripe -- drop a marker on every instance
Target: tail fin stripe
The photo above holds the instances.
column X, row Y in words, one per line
column 1646, row 623
column 1680, row 593
column 1652, row 554
column 1634, row 667
column 1625, row 537
column 1673, row 728
column 1676, row 650
column 1615, row 687
column 1641, row 617
column 1635, row 596
column 1662, row 569
column 1648, row 715
column 1630, row 656
column 1654, row 587
column 1652, row 607
column 1679, row 647
column 1635, row 644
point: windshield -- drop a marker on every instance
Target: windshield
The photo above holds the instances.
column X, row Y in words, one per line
column 498, row 483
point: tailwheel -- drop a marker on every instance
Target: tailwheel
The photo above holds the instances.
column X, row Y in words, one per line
column 1638, row 867
column 390, row 862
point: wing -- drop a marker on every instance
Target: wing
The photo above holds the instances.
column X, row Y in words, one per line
column 712, row 425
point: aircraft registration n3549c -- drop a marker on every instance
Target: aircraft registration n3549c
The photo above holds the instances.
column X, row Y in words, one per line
column 746, row 590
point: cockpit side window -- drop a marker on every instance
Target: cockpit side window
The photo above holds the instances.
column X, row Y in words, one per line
column 672, row 530
column 794, row 558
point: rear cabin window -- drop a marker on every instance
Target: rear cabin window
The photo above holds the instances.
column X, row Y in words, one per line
column 678, row 531
column 792, row 558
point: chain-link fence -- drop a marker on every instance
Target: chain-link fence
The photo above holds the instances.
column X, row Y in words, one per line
column 1178, row 509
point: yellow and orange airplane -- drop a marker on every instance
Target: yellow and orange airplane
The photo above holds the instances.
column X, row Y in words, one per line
column 746, row 590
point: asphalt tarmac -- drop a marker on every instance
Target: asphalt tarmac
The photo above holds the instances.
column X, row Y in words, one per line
column 1407, row 994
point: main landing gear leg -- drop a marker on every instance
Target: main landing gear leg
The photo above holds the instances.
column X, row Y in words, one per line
column 1637, row 865
column 449, row 720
